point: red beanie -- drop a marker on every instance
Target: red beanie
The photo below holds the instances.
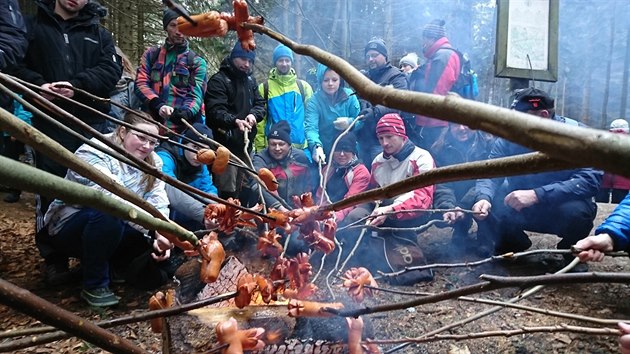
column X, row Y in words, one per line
column 391, row 123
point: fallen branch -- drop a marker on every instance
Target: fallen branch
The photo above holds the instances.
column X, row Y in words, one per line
column 565, row 142
column 55, row 335
column 46, row 312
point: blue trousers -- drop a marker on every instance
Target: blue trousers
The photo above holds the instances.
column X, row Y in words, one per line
column 98, row 238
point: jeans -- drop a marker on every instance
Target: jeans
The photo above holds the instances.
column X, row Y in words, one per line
column 97, row 238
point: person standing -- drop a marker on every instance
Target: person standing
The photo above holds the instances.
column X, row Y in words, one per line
column 171, row 79
column 436, row 76
column 382, row 73
column 233, row 108
column 286, row 97
column 68, row 48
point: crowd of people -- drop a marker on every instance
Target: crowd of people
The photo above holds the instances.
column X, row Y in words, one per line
column 285, row 125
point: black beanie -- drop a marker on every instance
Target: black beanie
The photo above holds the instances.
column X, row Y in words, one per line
column 280, row 131
column 347, row 143
column 378, row 45
column 202, row 129
column 169, row 15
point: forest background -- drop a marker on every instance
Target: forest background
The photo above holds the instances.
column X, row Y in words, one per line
column 594, row 41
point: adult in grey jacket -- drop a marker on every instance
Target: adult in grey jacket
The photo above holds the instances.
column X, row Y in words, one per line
column 559, row 202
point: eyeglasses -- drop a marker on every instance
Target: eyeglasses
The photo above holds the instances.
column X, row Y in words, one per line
column 144, row 140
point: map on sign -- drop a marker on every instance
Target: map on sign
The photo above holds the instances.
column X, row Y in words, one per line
column 528, row 34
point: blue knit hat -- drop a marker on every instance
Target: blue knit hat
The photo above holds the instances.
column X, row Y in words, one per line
column 282, row 51
column 239, row 52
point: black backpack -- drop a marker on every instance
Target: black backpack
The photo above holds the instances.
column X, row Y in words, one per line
column 466, row 84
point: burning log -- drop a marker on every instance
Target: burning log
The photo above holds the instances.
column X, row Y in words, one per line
column 300, row 308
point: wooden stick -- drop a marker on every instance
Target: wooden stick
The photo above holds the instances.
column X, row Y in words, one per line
column 47, row 312
column 55, row 335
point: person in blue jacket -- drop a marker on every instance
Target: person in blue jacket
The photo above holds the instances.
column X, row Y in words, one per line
column 329, row 111
column 612, row 235
column 182, row 165
column 559, row 202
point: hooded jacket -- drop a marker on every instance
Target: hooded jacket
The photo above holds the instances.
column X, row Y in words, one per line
column 232, row 94
column 175, row 165
column 78, row 50
column 345, row 181
column 437, row 76
column 322, row 110
column 12, row 34
column 285, row 102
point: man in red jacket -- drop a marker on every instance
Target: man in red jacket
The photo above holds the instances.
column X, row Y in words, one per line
column 436, row 76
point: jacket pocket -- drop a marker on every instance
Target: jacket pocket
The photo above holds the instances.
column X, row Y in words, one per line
column 180, row 77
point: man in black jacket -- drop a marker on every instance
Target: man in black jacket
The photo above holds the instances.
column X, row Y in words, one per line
column 67, row 46
column 559, row 202
column 233, row 108
column 383, row 73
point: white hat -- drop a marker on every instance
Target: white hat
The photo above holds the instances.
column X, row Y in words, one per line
column 619, row 126
column 410, row 59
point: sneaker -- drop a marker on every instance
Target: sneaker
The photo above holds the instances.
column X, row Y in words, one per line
column 56, row 274
column 12, row 197
column 99, row 297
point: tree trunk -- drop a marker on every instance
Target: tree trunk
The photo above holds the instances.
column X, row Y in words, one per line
column 128, row 30
column 626, row 71
column 388, row 35
column 604, row 120
column 298, row 33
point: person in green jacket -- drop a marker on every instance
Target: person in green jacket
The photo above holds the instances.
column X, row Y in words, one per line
column 286, row 97
column 330, row 111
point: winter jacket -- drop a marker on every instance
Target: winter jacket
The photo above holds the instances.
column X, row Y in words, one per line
column 449, row 195
column 292, row 174
column 437, row 76
column 12, row 34
column 410, row 161
column 345, row 181
column 284, row 102
column 128, row 177
column 124, row 94
column 232, row 94
column 175, row 165
column 322, row 111
column 78, row 50
column 550, row 187
column 388, row 75
column 166, row 77
column 617, row 225
column 615, row 181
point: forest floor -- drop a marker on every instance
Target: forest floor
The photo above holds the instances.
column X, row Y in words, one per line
column 20, row 264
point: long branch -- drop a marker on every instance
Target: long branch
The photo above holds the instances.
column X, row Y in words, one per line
column 53, row 335
column 47, row 312
column 492, row 283
column 588, row 147
column 504, row 333
column 24, row 177
column 506, row 166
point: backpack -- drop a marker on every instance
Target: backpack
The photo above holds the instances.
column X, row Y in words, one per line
column 466, row 84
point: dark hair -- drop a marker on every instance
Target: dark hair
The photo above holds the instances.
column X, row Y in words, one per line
column 135, row 118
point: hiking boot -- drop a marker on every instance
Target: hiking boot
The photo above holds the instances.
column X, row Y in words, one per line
column 99, row 297
column 12, row 197
column 56, row 274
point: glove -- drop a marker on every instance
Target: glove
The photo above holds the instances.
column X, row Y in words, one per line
column 342, row 123
column 318, row 155
column 155, row 105
column 367, row 113
column 179, row 114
